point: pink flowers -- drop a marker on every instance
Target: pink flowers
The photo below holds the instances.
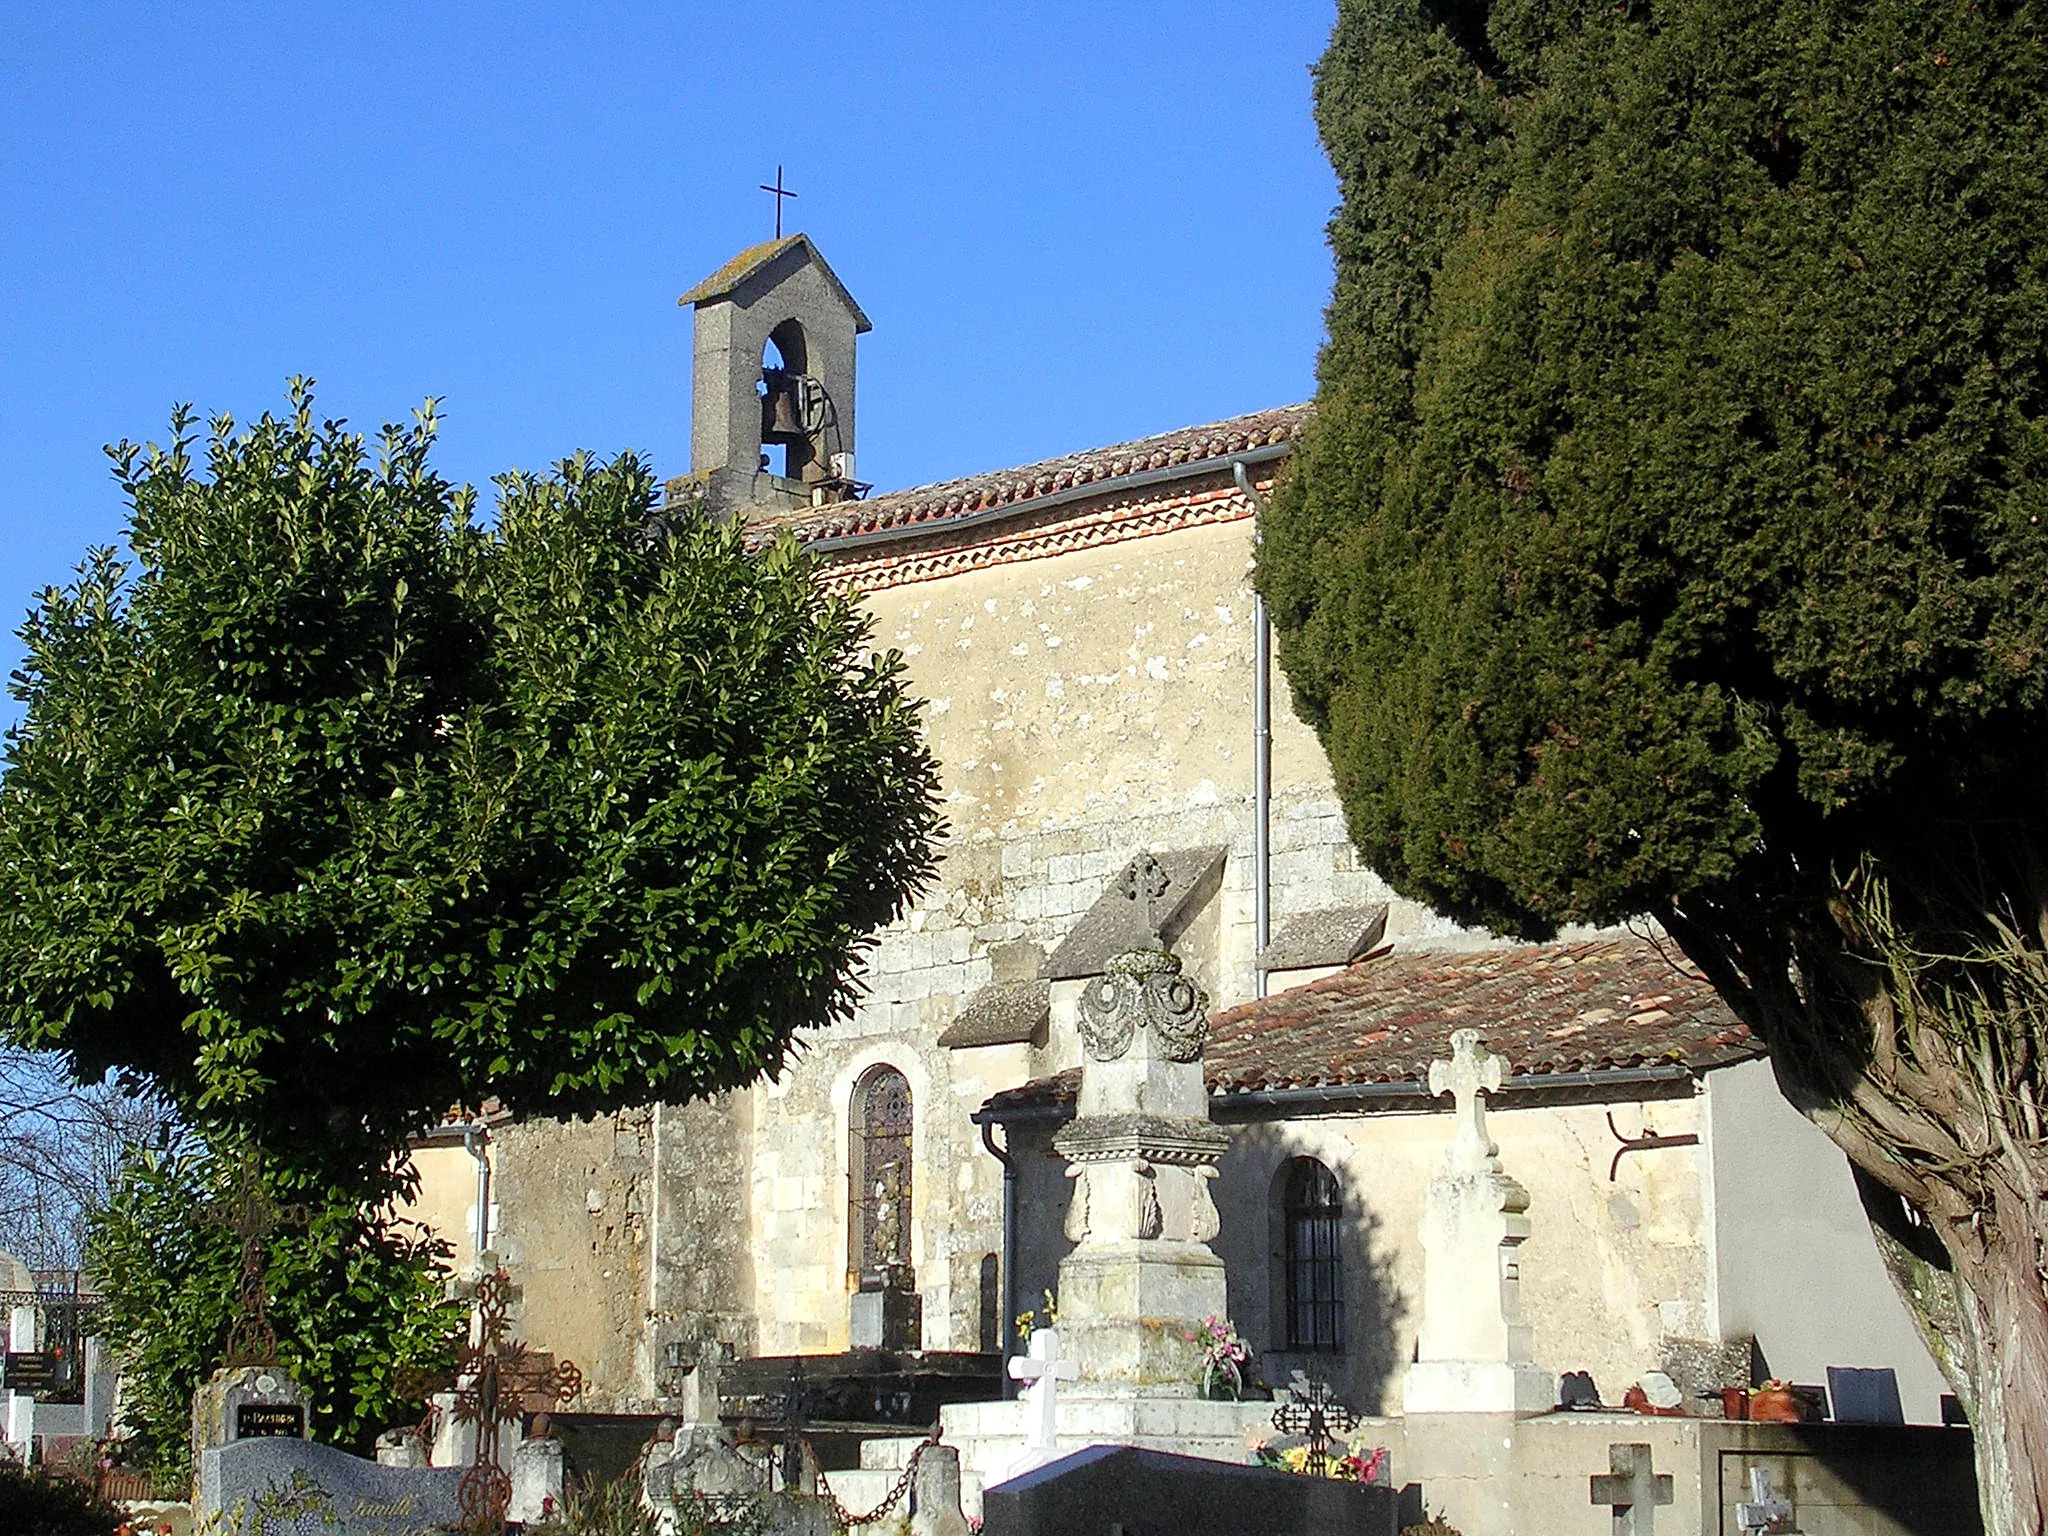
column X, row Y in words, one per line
column 1220, row 1342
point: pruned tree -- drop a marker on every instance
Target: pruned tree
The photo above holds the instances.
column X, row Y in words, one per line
column 1669, row 541
column 337, row 809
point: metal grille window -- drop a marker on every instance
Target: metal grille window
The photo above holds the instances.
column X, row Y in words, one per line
column 1314, row 1258
column 878, row 1216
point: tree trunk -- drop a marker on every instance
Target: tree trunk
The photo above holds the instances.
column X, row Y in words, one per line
column 2006, row 1314
column 1918, row 1052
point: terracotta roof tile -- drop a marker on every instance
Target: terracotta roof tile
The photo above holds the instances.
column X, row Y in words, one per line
column 1594, row 1006
column 1006, row 487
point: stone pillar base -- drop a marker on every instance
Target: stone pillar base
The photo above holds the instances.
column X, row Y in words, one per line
column 1126, row 1310
column 1478, row 1386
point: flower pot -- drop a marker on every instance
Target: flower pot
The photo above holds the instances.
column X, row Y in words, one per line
column 1734, row 1403
column 1221, row 1381
column 1775, row 1405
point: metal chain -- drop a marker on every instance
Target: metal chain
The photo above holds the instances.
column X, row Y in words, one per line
column 846, row 1519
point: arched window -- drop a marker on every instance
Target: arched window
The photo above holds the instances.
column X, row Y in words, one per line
column 878, row 1206
column 1312, row 1213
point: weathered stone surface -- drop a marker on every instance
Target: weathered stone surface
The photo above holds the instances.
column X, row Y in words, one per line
column 1003, row 1013
column 256, row 1487
column 248, row 1402
column 1332, row 936
column 1115, row 925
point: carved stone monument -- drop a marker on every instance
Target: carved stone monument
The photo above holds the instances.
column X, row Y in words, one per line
column 1473, row 1349
column 1141, row 1151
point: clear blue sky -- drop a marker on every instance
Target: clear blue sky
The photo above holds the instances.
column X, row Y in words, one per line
column 1070, row 224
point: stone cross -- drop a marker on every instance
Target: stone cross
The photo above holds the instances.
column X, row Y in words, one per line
column 1044, row 1368
column 1765, row 1511
column 1144, row 881
column 1631, row 1489
column 1471, row 1072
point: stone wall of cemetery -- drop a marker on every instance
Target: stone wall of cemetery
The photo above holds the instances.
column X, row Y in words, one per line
column 574, row 1204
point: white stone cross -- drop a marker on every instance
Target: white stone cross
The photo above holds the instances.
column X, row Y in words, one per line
column 1765, row 1511
column 1471, row 1071
column 1044, row 1368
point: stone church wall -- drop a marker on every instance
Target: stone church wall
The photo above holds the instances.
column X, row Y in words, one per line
column 1081, row 706
column 1609, row 1271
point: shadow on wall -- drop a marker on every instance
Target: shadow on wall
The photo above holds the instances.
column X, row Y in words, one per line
column 1311, row 1279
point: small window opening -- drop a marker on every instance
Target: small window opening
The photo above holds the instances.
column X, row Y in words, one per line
column 1314, row 1212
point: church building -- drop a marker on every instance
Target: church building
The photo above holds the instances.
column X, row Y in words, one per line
column 1098, row 687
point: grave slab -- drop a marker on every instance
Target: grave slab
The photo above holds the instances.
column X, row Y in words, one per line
column 251, row 1487
column 1121, row 1489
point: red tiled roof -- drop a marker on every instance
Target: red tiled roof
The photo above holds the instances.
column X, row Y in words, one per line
column 1595, row 1006
column 1005, row 487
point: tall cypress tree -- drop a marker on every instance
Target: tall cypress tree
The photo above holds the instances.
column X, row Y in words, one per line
column 1669, row 540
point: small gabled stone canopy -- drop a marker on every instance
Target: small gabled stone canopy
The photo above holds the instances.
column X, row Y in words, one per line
column 1116, row 925
column 774, row 337
column 1003, row 1013
column 1333, row 936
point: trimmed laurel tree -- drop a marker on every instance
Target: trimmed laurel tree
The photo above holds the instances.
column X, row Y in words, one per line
column 336, row 809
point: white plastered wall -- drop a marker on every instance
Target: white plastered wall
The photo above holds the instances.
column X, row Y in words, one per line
column 1794, row 1261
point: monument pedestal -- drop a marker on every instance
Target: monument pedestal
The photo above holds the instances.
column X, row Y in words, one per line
column 1141, row 1152
column 1478, row 1386
column 1126, row 1310
column 887, row 1317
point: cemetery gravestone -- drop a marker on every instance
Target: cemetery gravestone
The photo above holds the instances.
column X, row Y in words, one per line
column 248, row 1402
column 1865, row 1396
column 1109, row 1488
column 258, row 1486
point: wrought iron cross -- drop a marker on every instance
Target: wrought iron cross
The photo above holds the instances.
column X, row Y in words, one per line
column 252, row 1215
column 1315, row 1415
column 495, row 1382
column 780, row 192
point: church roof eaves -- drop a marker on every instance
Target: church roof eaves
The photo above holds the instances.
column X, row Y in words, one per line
column 952, row 504
column 1564, row 1015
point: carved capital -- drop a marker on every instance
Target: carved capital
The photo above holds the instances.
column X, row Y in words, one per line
column 1144, row 988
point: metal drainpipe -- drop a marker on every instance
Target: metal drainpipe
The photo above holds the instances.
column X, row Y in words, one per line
column 472, row 1143
column 1009, row 1275
column 1262, row 750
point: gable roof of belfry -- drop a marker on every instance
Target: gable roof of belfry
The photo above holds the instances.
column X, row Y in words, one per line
column 956, row 503
column 736, row 274
column 1605, row 1018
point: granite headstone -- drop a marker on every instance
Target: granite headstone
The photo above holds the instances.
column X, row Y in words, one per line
column 270, row 1484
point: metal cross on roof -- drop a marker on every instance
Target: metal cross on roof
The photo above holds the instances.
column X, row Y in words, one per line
column 252, row 1215
column 780, row 192
column 1315, row 1415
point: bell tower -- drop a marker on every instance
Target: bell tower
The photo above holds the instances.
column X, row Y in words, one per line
column 773, row 380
